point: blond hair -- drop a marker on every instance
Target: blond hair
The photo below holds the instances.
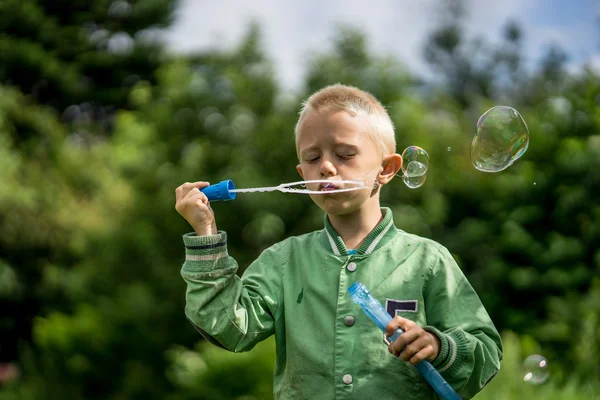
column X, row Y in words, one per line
column 356, row 102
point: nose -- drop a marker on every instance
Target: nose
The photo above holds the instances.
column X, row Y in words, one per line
column 327, row 168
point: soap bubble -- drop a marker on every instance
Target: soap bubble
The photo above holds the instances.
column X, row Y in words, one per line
column 415, row 162
column 502, row 137
column 536, row 369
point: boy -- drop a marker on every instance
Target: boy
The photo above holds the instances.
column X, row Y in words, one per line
column 326, row 346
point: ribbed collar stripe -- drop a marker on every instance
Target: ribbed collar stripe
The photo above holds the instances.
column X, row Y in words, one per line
column 376, row 241
column 380, row 235
column 334, row 247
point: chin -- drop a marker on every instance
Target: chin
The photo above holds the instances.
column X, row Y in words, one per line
column 335, row 206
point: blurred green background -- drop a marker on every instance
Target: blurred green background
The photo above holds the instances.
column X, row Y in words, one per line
column 99, row 123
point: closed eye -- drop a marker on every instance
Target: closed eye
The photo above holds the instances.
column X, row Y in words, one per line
column 346, row 156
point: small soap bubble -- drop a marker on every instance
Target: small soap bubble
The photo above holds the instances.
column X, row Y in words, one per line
column 416, row 169
column 536, row 369
column 415, row 163
column 449, row 148
column 414, row 182
column 534, row 183
column 502, row 138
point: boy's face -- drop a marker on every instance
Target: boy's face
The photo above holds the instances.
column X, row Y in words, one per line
column 334, row 145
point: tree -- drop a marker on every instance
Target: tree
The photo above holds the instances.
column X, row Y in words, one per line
column 85, row 54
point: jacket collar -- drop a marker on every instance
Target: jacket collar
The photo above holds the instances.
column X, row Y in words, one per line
column 379, row 236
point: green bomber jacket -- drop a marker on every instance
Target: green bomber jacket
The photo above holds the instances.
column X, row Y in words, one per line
column 326, row 347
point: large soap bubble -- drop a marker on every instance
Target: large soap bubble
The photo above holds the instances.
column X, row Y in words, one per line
column 502, row 137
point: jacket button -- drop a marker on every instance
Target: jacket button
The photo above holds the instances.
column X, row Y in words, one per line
column 348, row 320
column 351, row 267
column 347, row 379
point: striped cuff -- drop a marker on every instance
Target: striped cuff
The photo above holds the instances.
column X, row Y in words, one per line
column 442, row 357
column 452, row 350
column 203, row 253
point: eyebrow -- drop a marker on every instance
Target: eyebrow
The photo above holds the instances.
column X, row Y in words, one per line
column 347, row 146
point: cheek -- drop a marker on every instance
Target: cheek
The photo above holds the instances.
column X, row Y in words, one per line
column 310, row 169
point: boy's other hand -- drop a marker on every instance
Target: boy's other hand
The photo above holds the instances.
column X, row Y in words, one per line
column 415, row 344
column 193, row 205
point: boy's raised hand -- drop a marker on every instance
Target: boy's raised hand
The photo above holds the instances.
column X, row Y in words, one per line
column 193, row 205
column 415, row 344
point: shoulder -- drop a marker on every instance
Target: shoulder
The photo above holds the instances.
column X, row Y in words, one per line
column 428, row 251
column 420, row 243
column 416, row 239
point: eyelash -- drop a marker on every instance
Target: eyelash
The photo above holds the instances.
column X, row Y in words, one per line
column 343, row 157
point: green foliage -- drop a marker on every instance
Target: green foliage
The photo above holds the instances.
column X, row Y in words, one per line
column 574, row 318
column 209, row 372
column 509, row 384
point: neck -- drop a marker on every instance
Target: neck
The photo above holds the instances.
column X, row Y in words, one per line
column 354, row 228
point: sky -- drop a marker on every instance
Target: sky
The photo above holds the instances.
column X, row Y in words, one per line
column 292, row 30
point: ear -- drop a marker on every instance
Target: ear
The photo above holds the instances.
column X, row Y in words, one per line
column 299, row 169
column 392, row 163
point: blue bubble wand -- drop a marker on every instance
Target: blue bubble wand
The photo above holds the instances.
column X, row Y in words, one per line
column 374, row 310
column 225, row 190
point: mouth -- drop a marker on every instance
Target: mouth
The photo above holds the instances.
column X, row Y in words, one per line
column 326, row 187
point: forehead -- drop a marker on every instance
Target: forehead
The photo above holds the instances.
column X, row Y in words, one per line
column 332, row 126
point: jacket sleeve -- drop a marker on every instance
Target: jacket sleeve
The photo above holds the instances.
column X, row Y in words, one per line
column 235, row 312
column 471, row 348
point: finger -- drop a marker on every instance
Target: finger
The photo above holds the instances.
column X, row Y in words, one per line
column 402, row 341
column 424, row 354
column 201, row 203
column 413, row 348
column 194, row 198
column 193, row 195
column 180, row 189
column 186, row 187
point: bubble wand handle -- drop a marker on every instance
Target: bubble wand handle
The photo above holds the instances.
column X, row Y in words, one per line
column 375, row 311
column 223, row 190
